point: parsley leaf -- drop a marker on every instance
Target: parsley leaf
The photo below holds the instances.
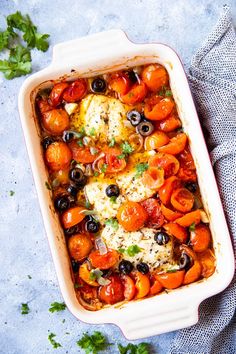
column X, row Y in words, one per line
column 140, row 168
column 11, row 193
column 4, row 39
column 113, row 199
column 142, row 348
column 95, row 274
column 113, row 223
column 25, row 309
column 92, row 131
column 126, row 148
column 57, row 306
column 51, row 339
column 165, row 92
column 112, row 142
column 18, row 64
column 93, row 343
column 104, row 168
column 131, row 251
column 192, row 227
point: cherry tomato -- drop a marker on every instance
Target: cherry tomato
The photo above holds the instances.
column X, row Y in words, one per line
column 72, row 216
column 193, row 273
column 187, row 175
column 166, row 161
column 75, row 91
column 153, row 209
column 207, row 260
column 190, row 218
column 58, row 156
column 177, row 231
column 156, row 140
column 182, row 200
column 55, row 121
column 176, row 144
column 79, row 246
column 43, row 105
column 62, row 176
column 169, row 214
column 200, row 238
column 169, row 124
column 132, row 216
column 113, row 292
column 135, row 95
column 114, row 164
column 84, row 274
column 153, row 178
column 56, row 93
column 104, row 261
column 120, row 83
column 129, row 287
column 156, row 286
column 81, row 153
column 159, row 111
column 167, row 188
column 171, row 280
column 142, row 284
column 155, row 77
column 88, row 296
column 187, row 171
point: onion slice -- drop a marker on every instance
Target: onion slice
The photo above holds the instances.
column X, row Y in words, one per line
column 100, row 245
column 136, row 141
column 95, row 162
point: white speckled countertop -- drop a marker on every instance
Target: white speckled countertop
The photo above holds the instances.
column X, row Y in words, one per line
column 26, row 270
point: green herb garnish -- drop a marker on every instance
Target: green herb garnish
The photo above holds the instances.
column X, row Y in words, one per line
column 126, row 148
column 142, row 348
column 11, row 193
column 113, row 199
column 25, row 309
column 57, row 306
column 112, row 142
column 168, row 93
column 77, row 286
column 104, row 168
column 192, row 227
column 96, row 174
column 29, row 276
column 95, row 274
column 165, row 92
column 92, row 131
column 87, row 204
column 113, row 223
column 80, row 143
column 93, row 343
column 18, row 63
column 48, row 186
column 51, row 339
column 131, row 251
column 140, row 168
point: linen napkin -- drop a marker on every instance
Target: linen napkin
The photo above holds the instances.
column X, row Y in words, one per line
column 212, row 78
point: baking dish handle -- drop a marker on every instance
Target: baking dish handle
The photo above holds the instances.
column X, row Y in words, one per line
column 101, row 43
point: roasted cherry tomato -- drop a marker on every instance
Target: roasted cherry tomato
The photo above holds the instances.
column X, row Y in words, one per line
column 182, row 200
column 155, row 140
column 112, row 160
column 43, row 105
column 142, row 284
column 169, row 124
column 72, row 216
column 193, row 273
column 132, row 216
column 84, row 274
column 169, row 214
column 88, row 295
column 177, row 231
column 75, row 91
column 55, row 121
column 176, row 144
column 187, row 171
column 79, row 246
column 120, row 83
column 190, row 218
column 104, row 261
column 159, row 111
column 167, row 188
column 58, row 156
column 56, row 93
column 155, row 77
column 113, row 292
column 153, row 178
column 156, row 286
column 81, row 153
column 129, row 287
column 153, row 209
column 61, row 176
column 166, row 161
column 171, row 280
column 200, row 238
column 207, row 260
column 137, row 93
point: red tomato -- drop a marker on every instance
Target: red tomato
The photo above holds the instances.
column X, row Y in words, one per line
column 153, row 178
column 55, row 121
column 187, row 171
column 169, row 124
column 182, row 200
column 129, row 287
column 132, row 216
column 159, row 111
column 79, row 246
column 113, row 292
column 120, row 83
column 136, row 94
column 104, row 261
column 207, row 260
column 167, row 188
column 166, row 161
column 75, row 91
column 156, row 140
column 200, row 238
column 169, row 214
column 81, row 153
column 142, row 284
column 58, row 156
column 43, row 105
column 171, row 280
column 153, row 209
column 177, row 231
column 176, row 144
column 56, row 93
column 114, row 164
column 155, row 77
column 72, row 216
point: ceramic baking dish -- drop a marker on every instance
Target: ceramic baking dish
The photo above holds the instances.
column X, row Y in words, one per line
column 97, row 54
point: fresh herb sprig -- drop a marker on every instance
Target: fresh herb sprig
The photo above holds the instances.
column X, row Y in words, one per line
column 140, row 168
column 141, row 348
column 126, row 150
column 131, row 250
column 93, row 343
column 113, row 223
column 51, row 339
column 25, row 309
column 57, row 306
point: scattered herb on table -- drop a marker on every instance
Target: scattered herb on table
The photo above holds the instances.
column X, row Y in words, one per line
column 51, row 339
column 113, row 223
column 140, row 168
column 142, row 348
column 25, row 309
column 11, row 193
column 57, row 306
column 29, row 276
column 93, row 343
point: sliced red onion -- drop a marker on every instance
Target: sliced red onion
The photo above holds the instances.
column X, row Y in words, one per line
column 93, row 150
column 100, row 245
column 137, row 140
column 95, row 162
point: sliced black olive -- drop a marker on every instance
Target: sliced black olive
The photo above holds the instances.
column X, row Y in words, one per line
column 77, row 176
column 74, row 265
column 72, row 230
column 162, row 238
column 191, row 186
column 132, row 76
column 98, row 85
column 112, row 190
column 48, row 140
column 67, row 136
column 145, row 128
column 92, row 226
column 73, row 190
column 62, row 202
column 134, row 117
column 184, row 261
column 143, row 268
column 125, row 267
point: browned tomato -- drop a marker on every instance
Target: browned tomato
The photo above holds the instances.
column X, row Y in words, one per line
column 75, row 91
column 56, row 93
column 55, row 121
column 79, row 246
column 153, row 209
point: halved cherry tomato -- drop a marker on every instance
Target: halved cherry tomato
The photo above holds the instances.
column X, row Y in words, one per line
column 75, row 91
column 167, row 188
column 177, row 231
column 200, row 238
column 58, row 156
column 193, row 273
column 190, row 218
column 72, row 216
column 156, row 286
column 129, row 287
column 104, row 261
column 176, row 144
column 142, row 284
column 153, row 178
column 187, row 171
column 187, row 175
column 136, row 94
column 182, row 200
column 43, row 105
column 113, row 292
column 81, row 153
column 88, row 295
column 84, row 274
column 55, row 121
column 132, row 216
column 156, row 140
column 120, row 83
column 114, row 164
column 169, row 124
column 153, row 209
column 61, row 176
column 160, row 111
column 207, row 260
column 79, row 246
column 166, row 161
column 171, row 280
column 56, row 93
column 155, row 77
column 169, row 214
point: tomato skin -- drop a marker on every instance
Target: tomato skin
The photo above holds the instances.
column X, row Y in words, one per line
column 111, row 159
column 142, row 284
column 132, row 216
column 155, row 77
column 104, row 261
column 189, row 218
column 55, row 121
column 120, row 83
column 153, row 177
column 156, row 286
column 193, row 273
column 171, row 280
column 72, row 216
column 182, row 200
column 58, row 156
column 113, row 292
column 200, row 238
column 177, row 231
column 156, row 140
column 129, row 287
column 169, row 214
column 81, row 153
column 75, row 91
column 176, row 144
column 56, row 93
column 153, row 209
column 187, row 171
column 169, row 124
column 166, row 190
column 160, row 110
column 135, row 95
column 79, row 246
column 207, row 260
column 43, row 105
column 166, row 161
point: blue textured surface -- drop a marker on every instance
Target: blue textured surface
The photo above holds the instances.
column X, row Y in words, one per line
column 23, row 244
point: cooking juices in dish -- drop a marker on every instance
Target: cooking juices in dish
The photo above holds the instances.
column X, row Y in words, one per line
column 124, row 185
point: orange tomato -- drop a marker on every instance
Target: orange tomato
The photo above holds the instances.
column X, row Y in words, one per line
column 75, row 91
column 113, row 292
column 84, row 274
column 169, row 124
column 189, row 218
column 56, row 93
column 72, row 216
column 104, row 261
column 62, row 176
column 207, row 260
column 200, row 238
column 55, row 121
column 166, row 161
column 135, row 95
column 169, row 214
column 193, row 273
column 120, row 83
column 171, row 280
column 43, row 105
column 142, row 284
column 129, row 287
column 132, row 216
column 177, row 231
column 159, row 111
column 167, row 188
column 153, row 178
column 187, row 171
column 156, row 286
column 187, row 175
column 182, row 200
column 79, row 246
column 155, row 217
column 176, row 144
column 155, row 77
column 58, row 156
column 81, row 153
column 156, row 140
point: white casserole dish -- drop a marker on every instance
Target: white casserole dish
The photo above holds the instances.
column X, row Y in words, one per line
column 89, row 56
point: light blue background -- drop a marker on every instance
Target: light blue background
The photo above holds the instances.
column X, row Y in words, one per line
column 24, row 250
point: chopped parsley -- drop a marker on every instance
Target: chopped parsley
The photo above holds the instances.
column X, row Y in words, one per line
column 57, row 306
column 25, row 309
column 95, row 274
column 192, row 227
column 104, row 168
column 141, row 348
column 77, row 286
column 80, row 143
column 165, row 92
column 96, row 174
column 112, row 142
column 126, row 150
column 168, row 93
column 81, row 133
column 93, row 343
column 140, row 168
column 51, row 339
column 29, row 276
column 48, row 186
column 113, row 223
column 87, row 204
column 113, row 199
column 11, row 193
column 131, row 250
column 92, row 131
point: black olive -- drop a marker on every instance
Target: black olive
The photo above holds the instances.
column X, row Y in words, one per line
column 112, row 190
column 162, row 238
column 73, row 190
column 143, row 268
column 99, row 85
column 62, row 202
column 72, row 230
column 48, row 140
column 92, row 226
column 125, row 267
column 184, row 261
column 145, row 128
column 77, row 176
column 134, row 117
column 132, row 76
column 74, row 265
column 67, row 136
column 191, row 186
